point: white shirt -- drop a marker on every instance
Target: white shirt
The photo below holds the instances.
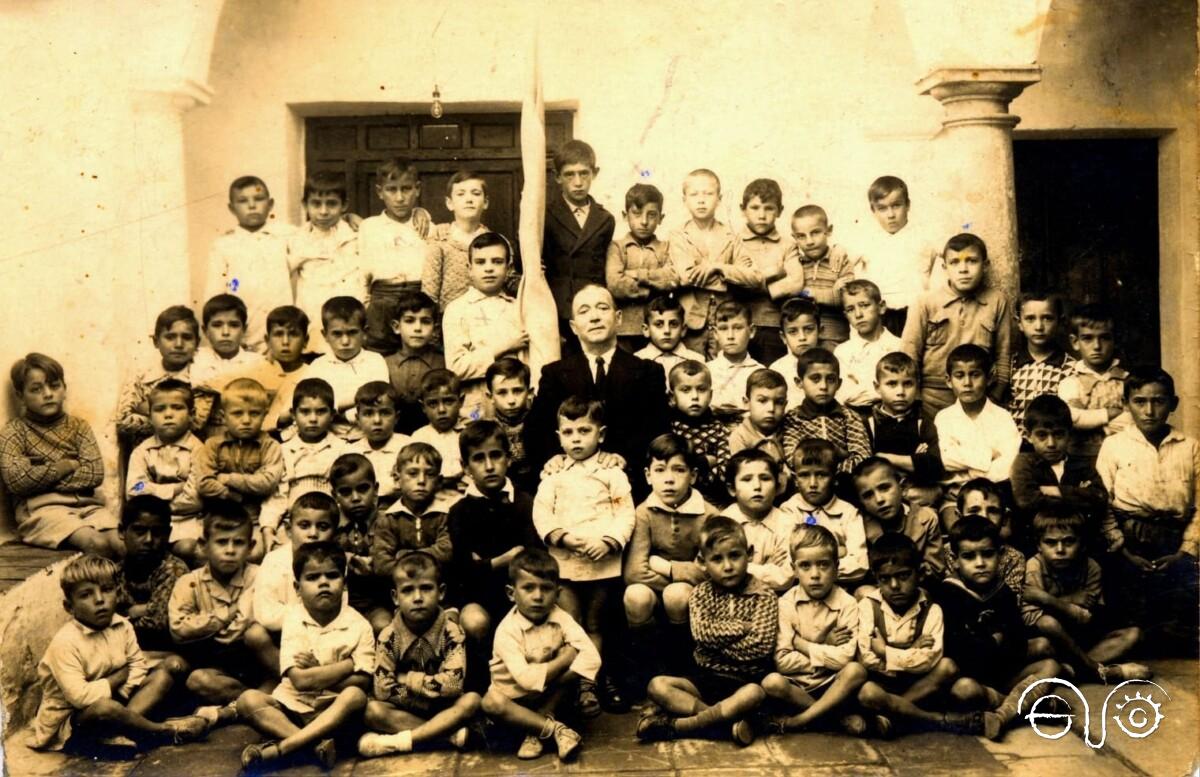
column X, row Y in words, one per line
column 346, row 636
column 846, row 525
column 472, row 328
column 325, row 264
column 274, row 589
column 213, row 371
column 786, row 366
column 729, row 380
column 383, row 459
column 254, row 267
column 984, row 446
column 900, row 264
column 390, row 250
column 607, row 356
column 857, row 358
column 345, row 376
column 668, row 359
column 770, row 556
column 446, row 444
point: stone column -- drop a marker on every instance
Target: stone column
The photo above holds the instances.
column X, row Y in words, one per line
column 976, row 144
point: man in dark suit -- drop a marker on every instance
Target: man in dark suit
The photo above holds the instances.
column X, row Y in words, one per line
column 633, row 390
column 577, row 232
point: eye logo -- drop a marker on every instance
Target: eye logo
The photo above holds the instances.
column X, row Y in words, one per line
column 1138, row 715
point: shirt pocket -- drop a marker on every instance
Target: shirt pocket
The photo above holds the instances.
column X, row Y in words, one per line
column 937, row 332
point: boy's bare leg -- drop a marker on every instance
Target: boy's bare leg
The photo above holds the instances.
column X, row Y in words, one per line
column 845, row 684
column 932, row 681
column 379, row 618
column 350, row 702
column 157, row 685
column 89, row 540
column 214, row 686
column 381, row 716
column 259, row 641
column 872, row 696
column 778, row 687
column 1073, row 652
column 682, row 699
column 1115, row 644
column 532, row 721
column 111, row 717
column 254, row 707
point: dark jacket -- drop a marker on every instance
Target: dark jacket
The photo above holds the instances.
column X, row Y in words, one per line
column 574, row 257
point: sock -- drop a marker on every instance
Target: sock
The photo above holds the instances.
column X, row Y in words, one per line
column 703, row 719
column 401, row 741
column 549, row 726
column 1008, row 708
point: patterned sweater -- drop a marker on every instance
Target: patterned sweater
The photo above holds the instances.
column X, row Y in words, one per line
column 154, row 591
column 844, row 428
column 29, row 449
column 435, row 659
column 735, row 631
column 708, row 437
column 1031, row 378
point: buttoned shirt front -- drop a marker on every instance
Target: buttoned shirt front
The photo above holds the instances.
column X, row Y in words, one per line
column 770, row 555
column 325, row 264
column 474, row 326
column 163, row 469
column 846, row 524
column 981, row 447
column 202, row 607
column 407, row 367
column 900, row 628
column 900, row 263
column 521, row 649
column 347, row 376
column 629, row 269
column 857, row 359
column 943, row 320
column 765, row 255
column 802, row 618
column 729, row 380
column 347, row 636
column 587, row 499
column 668, row 359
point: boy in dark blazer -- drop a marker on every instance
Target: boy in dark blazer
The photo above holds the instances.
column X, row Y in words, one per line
column 577, row 233
column 633, row 390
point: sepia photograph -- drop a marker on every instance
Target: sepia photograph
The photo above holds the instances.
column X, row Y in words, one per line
column 642, row 387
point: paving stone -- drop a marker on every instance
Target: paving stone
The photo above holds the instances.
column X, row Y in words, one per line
column 22, row 761
column 691, row 753
column 1021, row 741
column 927, row 755
column 484, row 764
column 819, row 749
column 429, row 763
column 622, row 756
column 1085, row 766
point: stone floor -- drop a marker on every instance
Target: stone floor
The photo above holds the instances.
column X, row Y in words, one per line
column 610, row 749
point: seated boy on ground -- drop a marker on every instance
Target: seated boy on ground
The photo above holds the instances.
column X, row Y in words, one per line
column 326, row 657
column 161, row 465
column 692, row 418
column 540, row 652
column 985, row 636
column 660, row 569
column 900, row 634
column 420, row 666
column 816, row 673
column 735, row 620
column 814, row 465
column 50, row 463
column 488, row 528
column 211, row 612
column 148, row 572
column 1063, row 589
column 93, row 676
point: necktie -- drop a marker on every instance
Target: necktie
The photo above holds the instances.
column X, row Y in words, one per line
column 580, row 216
column 600, row 374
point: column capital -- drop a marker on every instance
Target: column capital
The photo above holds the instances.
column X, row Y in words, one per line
column 978, row 96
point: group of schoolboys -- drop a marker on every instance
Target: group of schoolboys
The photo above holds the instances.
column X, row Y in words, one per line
column 904, row 521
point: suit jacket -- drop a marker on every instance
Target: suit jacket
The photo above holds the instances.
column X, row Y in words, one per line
column 635, row 409
column 574, row 257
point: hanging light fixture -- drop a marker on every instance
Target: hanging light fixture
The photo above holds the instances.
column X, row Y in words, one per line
column 435, row 110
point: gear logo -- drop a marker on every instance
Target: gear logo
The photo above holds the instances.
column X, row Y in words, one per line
column 1137, row 714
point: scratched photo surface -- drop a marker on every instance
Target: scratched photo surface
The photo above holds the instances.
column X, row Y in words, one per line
column 1062, row 133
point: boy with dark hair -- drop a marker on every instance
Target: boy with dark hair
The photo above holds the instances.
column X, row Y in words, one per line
column 250, row 260
column 508, row 390
column 414, row 320
column 50, row 463
column 814, row 652
column 1094, row 384
column 1151, row 470
column 488, row 527
column 900, row 432
column 577, row 231
column 880, row 493
column 148, row 571
column 442, row 401
column 692, row 418
column 766, row 406
column 899, row 258
column 226, row 358
column 814, row 467
column 817, row 271
column 421, row 663
column 732, row 330
column 540, row 651
column 821, row 415
column 211, row 612
column 1039, row 366
column 752, row 478
column 977, row 438
column 900, row 634
column 392, row 247
column 981, row 496
column 761, row 248
column 734, row 619
column 161, row 466
column 637, row 266
column 313, row 517
column 447, row 268
column 93, row 676
column 1047, row 475
column 966, row 310
column 375, row 408
column 326, row 657
column 664, row 328
column 287, row 338
column 357, row 495
column 984, row 635
column 323, row 253
column 176, row 336
column 800, row 322
column 1065, row 595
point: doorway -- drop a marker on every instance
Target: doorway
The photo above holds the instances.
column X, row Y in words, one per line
column 1087, row 225
column 487, row 143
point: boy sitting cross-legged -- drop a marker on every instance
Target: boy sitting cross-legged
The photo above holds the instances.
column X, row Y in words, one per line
column 420, row 665
column 734, row 619
column 818, row 621
column 900, row 634
column 488, row 528
column 539, row 652
column 984, row 636
column 93, row 676
column 660, row 568
column 326, row 657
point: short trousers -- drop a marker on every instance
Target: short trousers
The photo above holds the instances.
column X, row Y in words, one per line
column 48, row 520
column 235, row 660
column 300, row 719
column 715, row 687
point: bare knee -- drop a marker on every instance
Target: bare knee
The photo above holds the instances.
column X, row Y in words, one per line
column 249, row 702
column 257, row 638
column 1038, row 647
column 871, row 695
column 675, row 601
column 1048, row 624
column 775, row 685
column 475, row 622
column 469, row 703
column 639, row 602
column 854, row 672
column 102, row 711
column 966, row 691
column 659, row 687
column 376, row 714
column 353, row 697
column 493, row 704
column 175, row 665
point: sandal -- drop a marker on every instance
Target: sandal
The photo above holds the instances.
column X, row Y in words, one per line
column 326, row 753
column 589, row 702
column 256, row 754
